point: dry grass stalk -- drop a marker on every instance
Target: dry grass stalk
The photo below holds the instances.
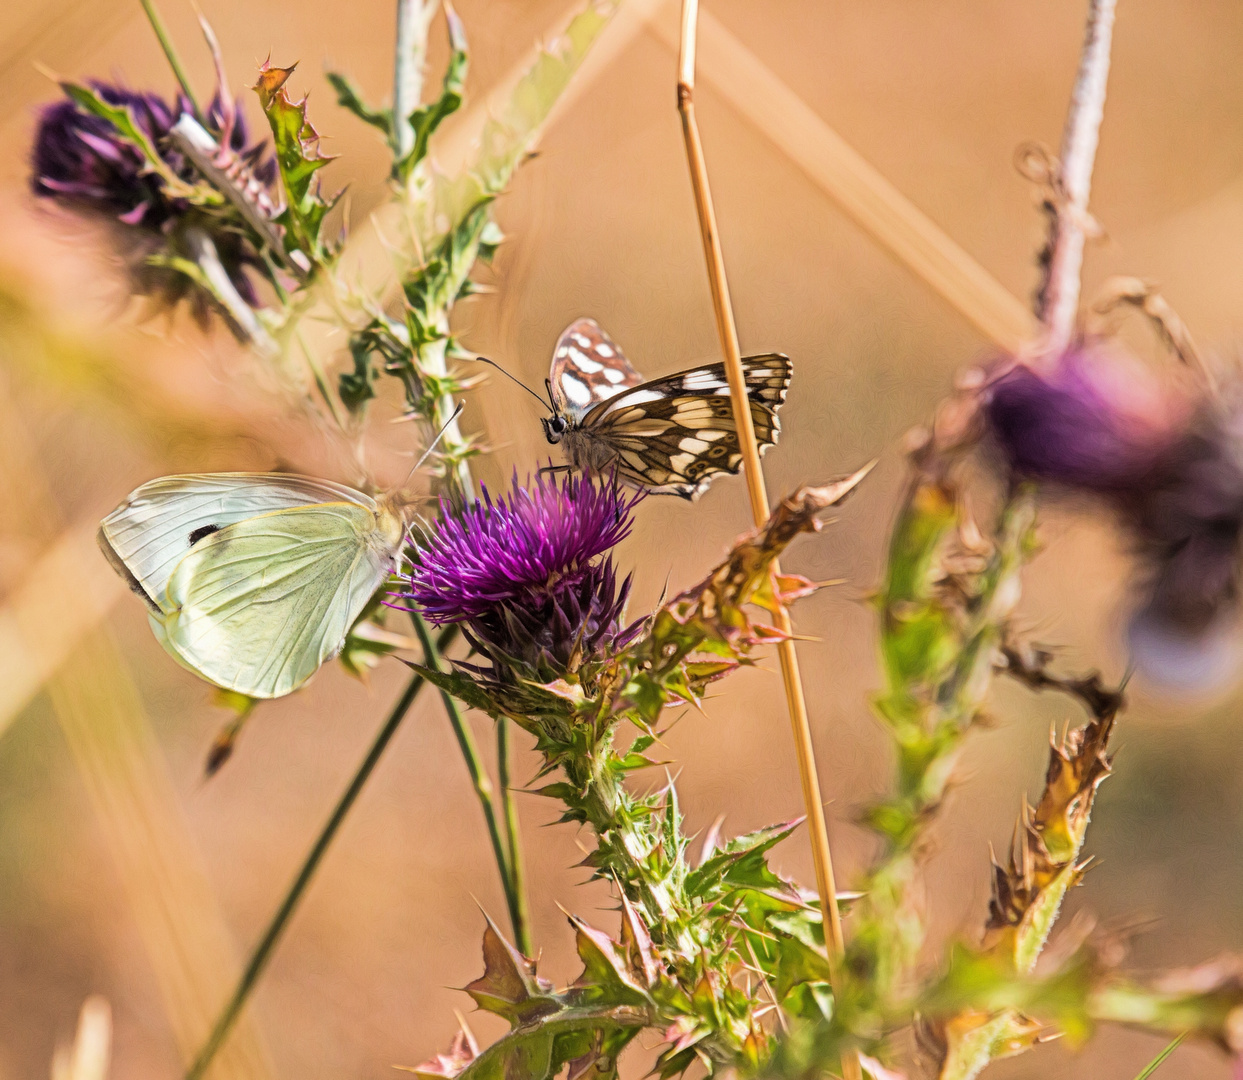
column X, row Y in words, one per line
column 891, row 219
column 728, row 332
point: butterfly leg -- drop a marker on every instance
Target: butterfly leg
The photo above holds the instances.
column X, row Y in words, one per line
column 554, row 469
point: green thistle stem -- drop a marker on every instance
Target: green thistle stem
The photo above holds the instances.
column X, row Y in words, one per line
column 170, row 53
column 486, row 795
column 267, row 943
column 517, row 870
column 410, row 54
column 930, row 710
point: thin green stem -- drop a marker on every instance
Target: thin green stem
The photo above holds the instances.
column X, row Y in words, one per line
column 267, row 943
column 482, row 784
column 170, row 53
column 1157, row 1062
column 517, row 871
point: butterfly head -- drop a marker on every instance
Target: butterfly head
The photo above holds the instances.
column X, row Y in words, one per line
column 555, row 427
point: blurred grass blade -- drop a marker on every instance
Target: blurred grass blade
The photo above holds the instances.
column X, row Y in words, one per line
column 105, row 726
column 782, row 117
column 37, row 635
column 91, row 1052
column 366, row 252
column 174, row 911
column 1156, row 1062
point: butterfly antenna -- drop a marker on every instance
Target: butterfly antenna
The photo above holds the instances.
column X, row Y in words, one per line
column 511, row 378
column 432, row 445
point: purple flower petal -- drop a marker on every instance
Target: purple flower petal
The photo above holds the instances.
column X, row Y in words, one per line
column 528, row 573
column 81, row 161
column 1096, row 421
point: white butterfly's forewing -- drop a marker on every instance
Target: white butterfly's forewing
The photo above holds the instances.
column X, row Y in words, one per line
column 588, row 368
column 149, row 533
column 673, row 435
column 258, row 606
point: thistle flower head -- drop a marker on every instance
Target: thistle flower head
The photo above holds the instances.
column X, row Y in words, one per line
column 1100, row 423
column 528, row 574
column 84, row 163
column 1094, row 421
column 1189, row 525
column 80, row 159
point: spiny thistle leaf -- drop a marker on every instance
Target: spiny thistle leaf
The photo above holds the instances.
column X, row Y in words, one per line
column 461, row 686
column 741, row 862
column 1028, row 894
column 299, row 158
column 709, row 617
column 917, row 641
column 607, row 973
column 637, row 943
column 509, row 985
column 974, row 1040
column 350, row 97
column 584, row 1026
column 449, row 1064
column 1076, row 769
column 591, row 1039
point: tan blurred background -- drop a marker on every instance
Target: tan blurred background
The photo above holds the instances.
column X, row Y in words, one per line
column 937, row 97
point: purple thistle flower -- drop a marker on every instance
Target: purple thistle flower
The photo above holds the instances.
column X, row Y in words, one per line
column 1102, row 424
column 1189, row 525
column 528, row 574
column 83, row 163
column 1096, row 421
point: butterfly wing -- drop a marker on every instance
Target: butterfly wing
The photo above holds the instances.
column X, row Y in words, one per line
column 150, row 532
column 259, row 605
column 673, row 435
column 588, row 368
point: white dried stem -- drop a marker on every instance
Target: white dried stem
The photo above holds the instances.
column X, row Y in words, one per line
column 1060, row 296
column 410, row 56
column 215, row 278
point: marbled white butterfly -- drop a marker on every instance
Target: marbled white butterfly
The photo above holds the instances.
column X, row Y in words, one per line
column 670, row 435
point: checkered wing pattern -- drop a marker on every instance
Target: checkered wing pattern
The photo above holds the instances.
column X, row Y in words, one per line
column 588, row 368
column 674, row 435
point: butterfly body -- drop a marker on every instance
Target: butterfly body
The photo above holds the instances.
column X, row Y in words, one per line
column 253, row 579
column 670, row 435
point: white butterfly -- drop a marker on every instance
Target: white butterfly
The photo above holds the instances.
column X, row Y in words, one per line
column 670, row 435
column 253, row 579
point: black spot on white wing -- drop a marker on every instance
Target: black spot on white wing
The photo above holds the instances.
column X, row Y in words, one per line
column 201, row 532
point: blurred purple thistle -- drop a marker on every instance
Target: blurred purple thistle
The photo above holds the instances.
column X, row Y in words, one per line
column 1099, row 423
column 1094, row 421
column 528, row 574
column 1189, row 524
column 83, row 163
